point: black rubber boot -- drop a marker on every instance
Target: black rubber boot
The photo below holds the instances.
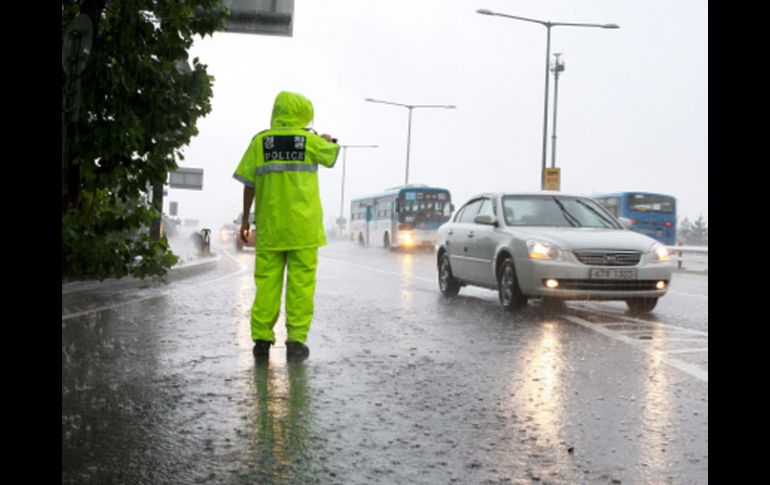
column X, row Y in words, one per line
column 261, row 350
column 297, row 351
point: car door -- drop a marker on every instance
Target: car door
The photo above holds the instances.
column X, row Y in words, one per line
column 482, row 240
column 458, row 240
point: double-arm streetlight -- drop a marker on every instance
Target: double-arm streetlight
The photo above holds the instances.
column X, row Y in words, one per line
column 341, row 220
column 409, row 132
column 547, row 25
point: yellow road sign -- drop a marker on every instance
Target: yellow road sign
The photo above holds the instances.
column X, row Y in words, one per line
column 552, row 179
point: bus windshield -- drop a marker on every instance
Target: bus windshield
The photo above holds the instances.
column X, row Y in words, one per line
column 415, row 206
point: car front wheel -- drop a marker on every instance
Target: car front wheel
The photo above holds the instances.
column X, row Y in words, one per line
column 510, row 295
column 448, row 285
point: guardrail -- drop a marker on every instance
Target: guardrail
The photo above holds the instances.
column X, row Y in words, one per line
column 677, row 254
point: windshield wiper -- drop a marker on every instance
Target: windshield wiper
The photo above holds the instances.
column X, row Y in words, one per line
column 599, row 214
column 570, row 218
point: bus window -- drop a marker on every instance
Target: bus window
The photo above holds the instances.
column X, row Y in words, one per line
column 653, row 203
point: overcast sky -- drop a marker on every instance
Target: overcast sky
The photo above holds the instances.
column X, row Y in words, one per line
column 632, row 105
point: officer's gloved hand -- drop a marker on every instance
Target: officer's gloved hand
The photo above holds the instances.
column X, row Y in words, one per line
column 329, row 138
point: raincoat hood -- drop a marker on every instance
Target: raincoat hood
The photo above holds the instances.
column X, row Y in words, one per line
column 291, row 110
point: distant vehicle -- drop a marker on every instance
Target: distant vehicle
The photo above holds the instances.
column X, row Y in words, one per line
column 406, row 216
column 549, row 246
column 226, row 232
column 650, row 214
column 236, row 232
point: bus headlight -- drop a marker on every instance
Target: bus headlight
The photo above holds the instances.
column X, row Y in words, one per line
column 660, row 253
column 544, row 251
column 406, row 238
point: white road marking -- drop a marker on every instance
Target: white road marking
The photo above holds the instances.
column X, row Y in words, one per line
column 108, row 307
column 691, row 369
column 370, row 268
column 625, row 319
column 240, row 271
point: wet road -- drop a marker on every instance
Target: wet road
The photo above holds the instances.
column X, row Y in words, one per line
column 402, row 385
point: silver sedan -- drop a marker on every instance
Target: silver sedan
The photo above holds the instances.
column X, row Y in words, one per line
column 550, row 246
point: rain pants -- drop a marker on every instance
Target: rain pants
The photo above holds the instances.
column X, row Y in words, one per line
column 281, row 164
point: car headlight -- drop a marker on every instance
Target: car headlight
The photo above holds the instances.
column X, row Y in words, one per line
column 544, row 251
column 660, row 253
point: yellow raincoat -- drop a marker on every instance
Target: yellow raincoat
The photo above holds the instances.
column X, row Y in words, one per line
column 281, row 164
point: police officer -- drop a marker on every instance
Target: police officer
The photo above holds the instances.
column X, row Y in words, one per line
column 279, row 173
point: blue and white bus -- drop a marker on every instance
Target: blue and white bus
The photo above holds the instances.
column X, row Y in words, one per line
column 650, row 214
column 406, row 216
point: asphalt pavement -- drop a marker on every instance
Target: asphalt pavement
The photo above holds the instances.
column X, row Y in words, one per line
column 402, row 385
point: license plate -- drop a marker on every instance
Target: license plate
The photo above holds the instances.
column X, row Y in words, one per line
column 611, row 274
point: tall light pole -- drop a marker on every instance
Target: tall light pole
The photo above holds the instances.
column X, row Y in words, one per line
column 341, row 220
column 547, row 25
column 557, row 68
column 409, row 132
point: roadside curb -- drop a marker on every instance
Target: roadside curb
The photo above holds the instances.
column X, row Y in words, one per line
column 176, row 273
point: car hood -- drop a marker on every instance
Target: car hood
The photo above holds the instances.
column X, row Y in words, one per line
column 583, row 238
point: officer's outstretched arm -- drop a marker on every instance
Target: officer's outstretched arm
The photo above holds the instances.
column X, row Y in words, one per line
column 327, row 151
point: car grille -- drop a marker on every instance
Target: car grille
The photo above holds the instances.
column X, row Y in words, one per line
column 609, row 258
column 609, row 285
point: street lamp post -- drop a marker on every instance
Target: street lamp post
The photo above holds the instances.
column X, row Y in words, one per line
column 341, row 220
column 547, row 25
column 557, row 68
column 409, row 129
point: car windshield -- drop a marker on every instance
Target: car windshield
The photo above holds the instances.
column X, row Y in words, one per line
column 556, row 212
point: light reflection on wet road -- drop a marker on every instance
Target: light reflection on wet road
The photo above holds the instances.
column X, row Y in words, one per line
column 402, row 385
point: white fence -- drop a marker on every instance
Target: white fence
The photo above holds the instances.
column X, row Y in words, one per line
column 692, row 258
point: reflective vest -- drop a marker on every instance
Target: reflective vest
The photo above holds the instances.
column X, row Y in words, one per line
column 281, row 164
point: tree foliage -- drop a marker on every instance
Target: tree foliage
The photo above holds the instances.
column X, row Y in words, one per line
column 694, row 233
column 139, row 104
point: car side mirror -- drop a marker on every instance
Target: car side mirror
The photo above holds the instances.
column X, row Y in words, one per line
column 486, row 219
column 626, row 222
column 451, row 207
